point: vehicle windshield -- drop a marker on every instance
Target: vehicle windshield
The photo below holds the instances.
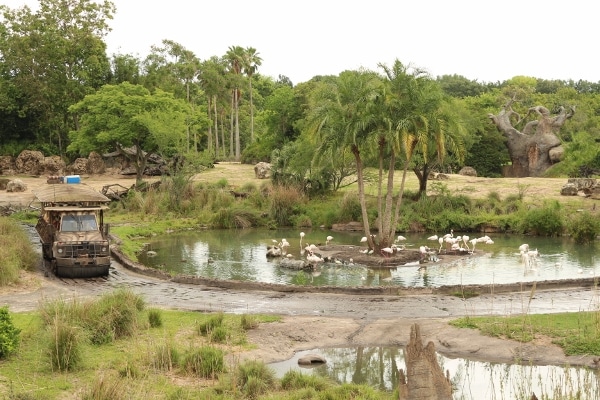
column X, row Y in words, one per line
column 78, row 223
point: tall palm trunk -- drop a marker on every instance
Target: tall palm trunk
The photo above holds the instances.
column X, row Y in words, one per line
column 361, row 196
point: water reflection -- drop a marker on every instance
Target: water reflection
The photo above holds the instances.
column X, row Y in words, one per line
column 378, row 367
column 241, row 255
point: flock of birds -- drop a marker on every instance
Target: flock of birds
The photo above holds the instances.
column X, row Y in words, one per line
column 447, row 242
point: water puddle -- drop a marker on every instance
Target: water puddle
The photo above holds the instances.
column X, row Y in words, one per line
column 471, row 380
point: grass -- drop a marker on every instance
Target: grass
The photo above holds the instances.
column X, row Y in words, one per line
column 16, row 252
column 576, row 333
column 151, row 362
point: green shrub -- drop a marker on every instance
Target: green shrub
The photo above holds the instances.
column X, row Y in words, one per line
column 544, row 221
column 206, row 362
column 9, row 334
column 16, row 252
column 584, row 228
column 349, row 208
column 284, row 200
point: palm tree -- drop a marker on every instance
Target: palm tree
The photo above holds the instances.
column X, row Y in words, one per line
column 235, row 57
column 342, row 118
column 250, row 63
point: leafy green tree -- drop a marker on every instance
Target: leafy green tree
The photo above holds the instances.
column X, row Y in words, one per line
column 460, row 87
column 54, row 57
column 126, row 115
column 125, row 68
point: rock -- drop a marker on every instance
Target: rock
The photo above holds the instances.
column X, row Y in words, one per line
column 311, row 358
column 582, row 183
column 29, row 162
column 7, row 165
column 16, row 185
column 274, row 251
column 467, row 171
column 292, row 264
column 556, row 154
column 353, row 226
column 95, row 164
column 53, row 165
column 4, row 183
column 79, row 166
column 569, row 189
column 262, row 170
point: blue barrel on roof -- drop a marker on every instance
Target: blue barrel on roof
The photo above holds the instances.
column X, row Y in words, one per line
column 72, row 179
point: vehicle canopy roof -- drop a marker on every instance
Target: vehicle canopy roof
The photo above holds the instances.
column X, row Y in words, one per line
column 75, row 195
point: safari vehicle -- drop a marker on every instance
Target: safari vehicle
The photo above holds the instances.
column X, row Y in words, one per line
column 72, row 231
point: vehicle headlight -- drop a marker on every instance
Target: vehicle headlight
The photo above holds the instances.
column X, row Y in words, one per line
column 104, row 249
column 60, row 251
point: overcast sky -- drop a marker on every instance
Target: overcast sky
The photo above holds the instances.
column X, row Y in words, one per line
column 481, row 40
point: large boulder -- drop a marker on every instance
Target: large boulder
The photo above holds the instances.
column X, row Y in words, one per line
column 262, row 170
column 16, row 185
column 556, row 154
column 29, row 162
column 53, row 165
column 467, row 171
column 95, row 164
column 569, row 189
column 79, row 166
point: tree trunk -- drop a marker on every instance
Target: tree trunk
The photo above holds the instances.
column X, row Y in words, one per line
column 423, row 177
column 529, row 149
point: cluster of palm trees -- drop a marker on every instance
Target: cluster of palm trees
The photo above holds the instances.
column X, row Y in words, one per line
column 394, row 118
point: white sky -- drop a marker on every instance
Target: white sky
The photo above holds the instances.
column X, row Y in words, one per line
column 480, row 40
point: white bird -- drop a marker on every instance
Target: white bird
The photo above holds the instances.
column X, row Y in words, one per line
column 441, row 241
column 400, row 238
column 434, row 237
column 313, row 258
column 329, row 239
column 386, row 251
column 473, row 243
column 363, row 239
column 465, row 240
column 523, row 248
column 301, row 237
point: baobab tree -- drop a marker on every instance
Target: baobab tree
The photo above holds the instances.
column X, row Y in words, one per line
column 536, row 147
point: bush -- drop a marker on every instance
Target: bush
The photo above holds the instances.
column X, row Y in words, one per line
column 155, row 318
column 544, row 221
column 105, row 389
column 584, row 228
column 16, row 252
column 165, row 357
column 9, row 334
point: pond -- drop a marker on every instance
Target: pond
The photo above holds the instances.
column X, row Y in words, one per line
column 378, row 367
column 242, row 255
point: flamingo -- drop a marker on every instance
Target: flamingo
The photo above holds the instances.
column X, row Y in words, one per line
column 465, row 240
column 400, row 238
column 386, row 251
column 473, row 243
column 301, row 237
column 434, row 237
column 329, row 239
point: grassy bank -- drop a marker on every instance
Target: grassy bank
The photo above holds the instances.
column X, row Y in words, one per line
column 116, row 348
column 16, row 251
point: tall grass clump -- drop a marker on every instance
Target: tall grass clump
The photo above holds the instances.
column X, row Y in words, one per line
column 294, row 380
column 544, row 221
column 205, row 362
column 255, row 378
column 166, row 357
column 65, row 345
column 9, row 334
column 213, row 321
column 284, row 201
column 248, row 322
column 583, row 228
column 112, row 316
column 155, row 318
column 16, row 252
column 234, row 218
column 105, row 389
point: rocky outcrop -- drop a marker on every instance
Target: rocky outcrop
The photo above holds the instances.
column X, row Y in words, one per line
column 424, row 378
column 262, row 170
column 95, row 164
column 29, row 162
column 467, row 171
column 53, row 165
column 7, row 165
column 587, row 187
column 79, row 166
